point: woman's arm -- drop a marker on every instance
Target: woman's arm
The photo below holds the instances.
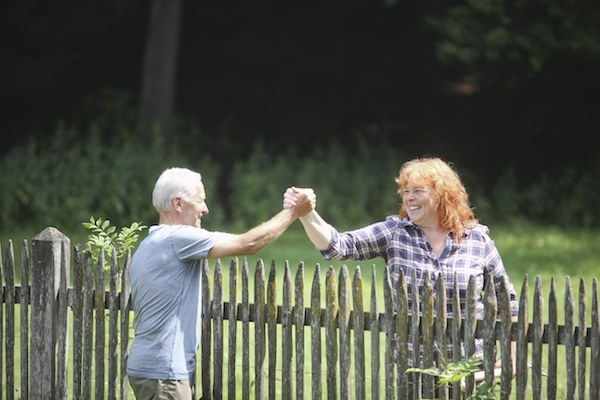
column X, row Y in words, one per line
column 317, row 230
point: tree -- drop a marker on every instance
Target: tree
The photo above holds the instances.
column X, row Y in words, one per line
column 159, row 67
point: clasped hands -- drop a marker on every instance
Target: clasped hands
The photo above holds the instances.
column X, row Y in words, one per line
column 304, row 199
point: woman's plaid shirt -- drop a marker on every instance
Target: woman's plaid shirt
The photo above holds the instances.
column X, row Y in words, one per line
column 404, row 247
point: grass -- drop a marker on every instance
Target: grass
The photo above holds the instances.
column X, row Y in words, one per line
column 527, row 250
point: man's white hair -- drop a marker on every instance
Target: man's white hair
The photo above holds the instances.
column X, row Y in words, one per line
column 175, row 182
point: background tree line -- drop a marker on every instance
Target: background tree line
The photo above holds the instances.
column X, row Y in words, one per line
column 508, row 91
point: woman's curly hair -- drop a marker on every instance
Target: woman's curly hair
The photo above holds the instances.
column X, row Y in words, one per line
column 454, row 211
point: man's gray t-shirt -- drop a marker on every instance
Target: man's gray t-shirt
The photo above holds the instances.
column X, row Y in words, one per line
column 165, row 288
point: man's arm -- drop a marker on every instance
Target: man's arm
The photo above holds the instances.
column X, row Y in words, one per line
column 261, row 236
column 317, row 230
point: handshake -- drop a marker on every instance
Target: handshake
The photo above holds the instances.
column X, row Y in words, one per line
column 304, row 199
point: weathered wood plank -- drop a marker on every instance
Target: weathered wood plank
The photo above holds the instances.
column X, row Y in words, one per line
column 522, row 341
column 456, row 332
column 232, row 339
column 9, row 301
column 77, row 307
column 595, row 345
column 62, row 324
column 206, row 335
column 218, row 337
column 100, row 328
column 441, row 336
column 272, row 330
column 359, row 335
column 344, row 309
column 331, row 342
column 125, row 303
column 570, row 340
column 315, row 334
column 469, row 325
column 403, row 327
column 390, row 339
column 259, row 331
column 538, row 331
column 374, row 321
column 245, row 330
column 505, row 338
column 24, row 308
column 88, row 324
column 552, row 333
column 427, row 326
column 287, row 344
column 581, row 340
column 490, row 309
column 113, row 330
column 299, row 320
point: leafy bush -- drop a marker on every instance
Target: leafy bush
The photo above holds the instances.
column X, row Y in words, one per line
column 65, row 179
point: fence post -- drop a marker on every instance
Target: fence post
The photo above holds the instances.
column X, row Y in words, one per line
column 50, row 255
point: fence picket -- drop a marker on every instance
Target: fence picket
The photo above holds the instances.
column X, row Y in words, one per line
column 344, row 308
column 299, row 319
column 403, row 329
column 24, row 301
column 456, row 333
column 232, row 339
column 359, row 335
column 538, row 331
column 470, row 324
column 390, row 339
column 505, row 337
column 259, row 329
column 113, row 340
column 414, row 335
column 522, row 341
column 552, row 341
column 88, row 323
column 99, row 306
column 218, row 338
column 206, row 336
column 245, row 331
column 489, row 327
column 125, row 302
column 315, row 334
column 62, row 331
column 441, row 336
column 331, row 342
column 271, row 315
column 286, row 335
column 595, row 345
column 427, row 335
column 9, row 295
column 570, row 340
column 374, row 323
column 581, row 339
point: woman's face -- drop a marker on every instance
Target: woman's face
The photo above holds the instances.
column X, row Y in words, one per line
column 421, row 203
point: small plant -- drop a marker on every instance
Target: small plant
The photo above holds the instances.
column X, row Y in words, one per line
column 105, row 236
column 454, row 372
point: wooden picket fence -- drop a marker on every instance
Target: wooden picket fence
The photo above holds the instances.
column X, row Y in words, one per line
column 92, row 340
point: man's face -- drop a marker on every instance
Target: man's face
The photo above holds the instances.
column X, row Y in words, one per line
column 193, row 211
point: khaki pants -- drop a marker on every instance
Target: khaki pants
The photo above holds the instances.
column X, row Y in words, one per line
column 160, row 389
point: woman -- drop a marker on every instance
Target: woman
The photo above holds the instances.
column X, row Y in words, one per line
column 435, row 233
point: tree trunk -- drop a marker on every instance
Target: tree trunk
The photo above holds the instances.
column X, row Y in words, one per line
column 159, row 68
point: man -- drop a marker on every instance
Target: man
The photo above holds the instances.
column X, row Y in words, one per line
column 165, row 281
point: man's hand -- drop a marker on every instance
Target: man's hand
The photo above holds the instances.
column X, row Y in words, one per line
column 291, row 197
column 302, row 201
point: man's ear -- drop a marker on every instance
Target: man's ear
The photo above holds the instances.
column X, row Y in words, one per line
column 177, row 204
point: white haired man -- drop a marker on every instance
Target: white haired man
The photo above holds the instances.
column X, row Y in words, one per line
column 165, row 281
